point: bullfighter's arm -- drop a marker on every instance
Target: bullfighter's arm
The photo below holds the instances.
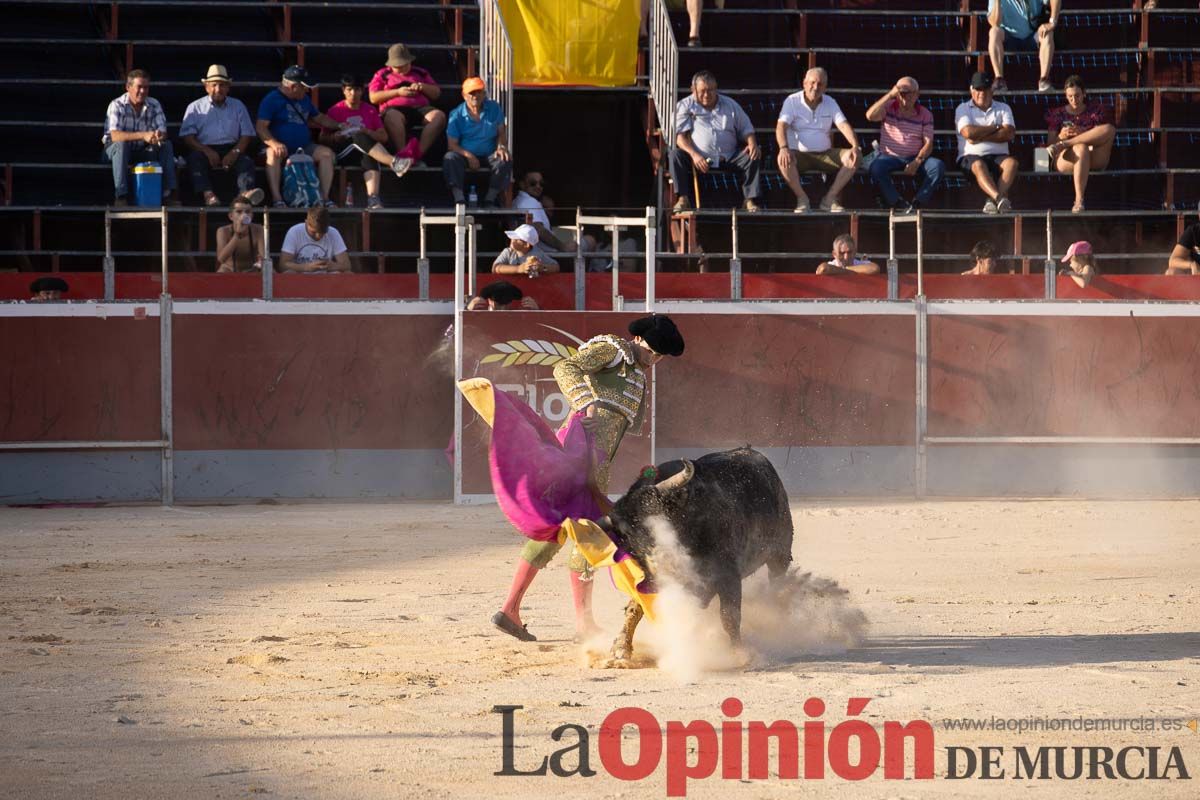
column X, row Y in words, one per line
column 571, row 373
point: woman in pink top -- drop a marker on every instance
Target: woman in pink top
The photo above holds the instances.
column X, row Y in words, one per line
column 405, row 95
column 1081, row 136
column 363, row 136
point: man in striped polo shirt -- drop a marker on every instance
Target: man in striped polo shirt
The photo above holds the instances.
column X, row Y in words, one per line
column 905, row 144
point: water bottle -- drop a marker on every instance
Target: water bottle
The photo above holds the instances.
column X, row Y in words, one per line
column 871, row 156
column 473, row 198
column 349, row 196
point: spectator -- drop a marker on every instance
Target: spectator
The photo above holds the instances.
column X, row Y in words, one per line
column 1082, row 264
column 218, row 132
column 905, row 144
column 985, row 127
column 845, row 259
column 241, row 245
column 363, row 135
column 523, row 256
column 983, row 258
column 314, row 246
column 283, row 117
column 709, row 129
column 135, row 129
column 476, row 130
column 533, row 200
column 47, row 288
column 695, row 8
column 1185, row 258
column 1081, row 136
column 501, row 296
column 405, row 95
column 1024, row 25
column 802, row 134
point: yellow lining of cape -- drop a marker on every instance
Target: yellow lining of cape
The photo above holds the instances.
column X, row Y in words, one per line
column 590, row 538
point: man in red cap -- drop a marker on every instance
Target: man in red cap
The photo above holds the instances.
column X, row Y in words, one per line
column 477, row 132
column 606, row 382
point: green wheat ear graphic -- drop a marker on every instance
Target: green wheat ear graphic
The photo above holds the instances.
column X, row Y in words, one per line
column 528, row 351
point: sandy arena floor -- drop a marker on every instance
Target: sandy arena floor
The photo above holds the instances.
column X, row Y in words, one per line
column 344, row 651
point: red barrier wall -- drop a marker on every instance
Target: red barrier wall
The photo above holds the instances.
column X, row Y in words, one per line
column 329, row 382
column 557, row 292
column 1081, row 376
column 79, row 379
column 309, row 382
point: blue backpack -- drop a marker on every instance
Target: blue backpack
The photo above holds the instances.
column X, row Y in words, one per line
column 301, row 189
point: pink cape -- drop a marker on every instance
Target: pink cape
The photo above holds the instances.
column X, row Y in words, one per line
column 540, row 478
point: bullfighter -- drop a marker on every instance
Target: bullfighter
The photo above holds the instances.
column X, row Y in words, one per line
column 605, row 382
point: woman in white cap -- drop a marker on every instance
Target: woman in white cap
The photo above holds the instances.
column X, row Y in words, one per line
column 523, row 256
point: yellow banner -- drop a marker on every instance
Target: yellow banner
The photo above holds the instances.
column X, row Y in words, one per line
column 573, row 42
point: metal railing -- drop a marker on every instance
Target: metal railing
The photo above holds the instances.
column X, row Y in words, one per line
column 496, row 62
column 664, row 70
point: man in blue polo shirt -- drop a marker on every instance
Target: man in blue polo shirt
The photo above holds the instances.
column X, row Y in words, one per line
column 476, row 130
column 283, row 117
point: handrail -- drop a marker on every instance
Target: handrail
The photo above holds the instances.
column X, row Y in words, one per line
column 273, row 44
column 664, row 71
column 496, row 62
column 324, row 5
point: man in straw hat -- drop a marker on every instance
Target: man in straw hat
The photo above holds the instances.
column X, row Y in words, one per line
column 404, row 94
column 606, row 382
column 218, row 132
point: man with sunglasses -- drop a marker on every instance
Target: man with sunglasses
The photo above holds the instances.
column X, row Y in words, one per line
column 905, row 144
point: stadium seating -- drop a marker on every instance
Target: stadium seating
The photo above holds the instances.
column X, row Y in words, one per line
column 65, row 61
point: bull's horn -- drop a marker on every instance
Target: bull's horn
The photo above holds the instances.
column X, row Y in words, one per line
column 677, row 480
column 605, row 523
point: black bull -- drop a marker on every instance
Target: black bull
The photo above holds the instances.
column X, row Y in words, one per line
column 730, row 513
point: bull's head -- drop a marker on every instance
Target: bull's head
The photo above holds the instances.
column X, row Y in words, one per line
column 626, row 525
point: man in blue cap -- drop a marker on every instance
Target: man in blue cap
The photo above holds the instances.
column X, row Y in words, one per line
column 283, row 118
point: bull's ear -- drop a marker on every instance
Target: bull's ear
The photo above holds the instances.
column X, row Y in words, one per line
column 678, row 479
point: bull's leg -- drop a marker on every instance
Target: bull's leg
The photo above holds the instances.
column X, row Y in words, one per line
column 729, row 589
column 777, row 566
column 622, row 647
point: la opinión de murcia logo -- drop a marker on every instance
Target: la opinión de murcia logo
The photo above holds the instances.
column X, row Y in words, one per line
column 632, row 744
column 694, row 750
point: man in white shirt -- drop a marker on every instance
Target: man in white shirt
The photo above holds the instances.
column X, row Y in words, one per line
column 802, row 134
column 314, row 246
column 846, row 259
column 533, row 200
column 985, row 127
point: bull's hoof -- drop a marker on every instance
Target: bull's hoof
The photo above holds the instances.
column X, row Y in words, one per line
column 600, row 661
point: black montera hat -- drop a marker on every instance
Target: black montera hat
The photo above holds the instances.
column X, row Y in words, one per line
column 502, row 293
column 660, row 333
column 48, row 284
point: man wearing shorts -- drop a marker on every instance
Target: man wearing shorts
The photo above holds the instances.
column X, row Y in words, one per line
column 1022, row 25
column 802, row 134
column 985, row 127
column 404, row 94
column 283, row 117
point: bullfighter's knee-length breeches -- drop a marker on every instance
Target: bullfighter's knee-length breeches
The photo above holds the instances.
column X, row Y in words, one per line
column 608, row 437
